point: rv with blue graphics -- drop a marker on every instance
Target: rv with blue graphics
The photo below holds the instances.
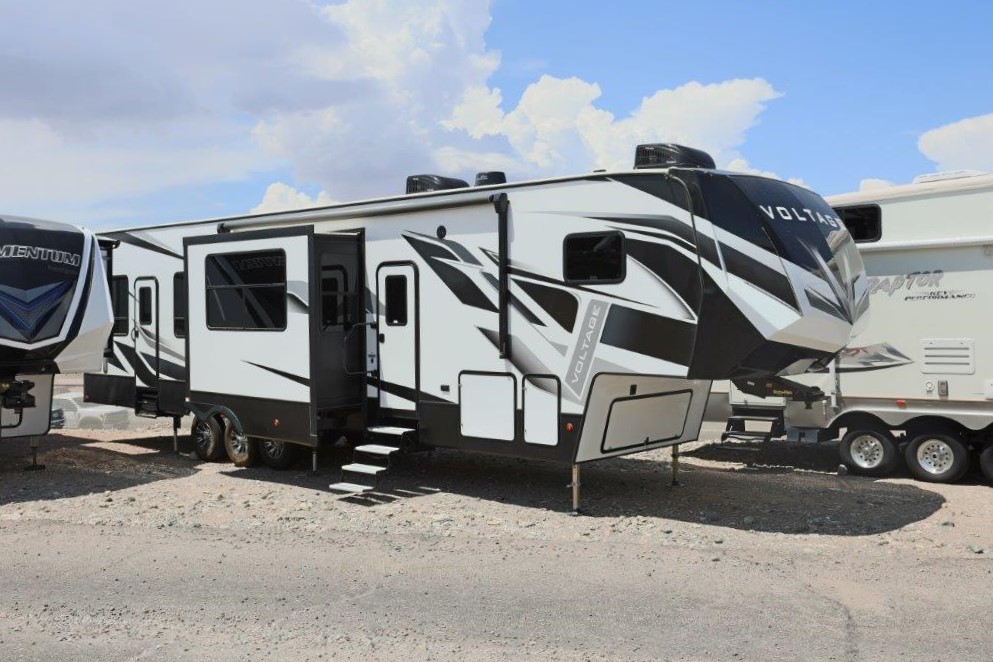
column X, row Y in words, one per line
column 54, row 315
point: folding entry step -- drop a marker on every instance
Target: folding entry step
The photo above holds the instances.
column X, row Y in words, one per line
column 371, row 460
column 737, row 426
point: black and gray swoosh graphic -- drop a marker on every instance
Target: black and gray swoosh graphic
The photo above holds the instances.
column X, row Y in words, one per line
column 286, row 375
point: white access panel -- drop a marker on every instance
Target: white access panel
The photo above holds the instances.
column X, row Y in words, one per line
column 541, row 411
column 646, row 419
column 486, row 406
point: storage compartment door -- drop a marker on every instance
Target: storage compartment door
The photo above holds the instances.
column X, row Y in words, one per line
column 541, row 410
column 487, row 404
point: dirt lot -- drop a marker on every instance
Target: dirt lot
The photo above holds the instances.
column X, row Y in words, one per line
column 123, row 550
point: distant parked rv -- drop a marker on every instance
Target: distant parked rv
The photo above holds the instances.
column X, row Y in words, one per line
column 917, row 385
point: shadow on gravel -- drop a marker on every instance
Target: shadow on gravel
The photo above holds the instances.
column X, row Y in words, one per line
column 751, row 499
column 74, row 468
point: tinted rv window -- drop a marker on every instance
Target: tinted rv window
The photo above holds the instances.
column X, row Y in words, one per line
column 144, row 306
column 334, row 286
column 119, row 298
column 179, row 305
column 246, row 291
column 864, row 222
column 594, row 257
column 396, row 300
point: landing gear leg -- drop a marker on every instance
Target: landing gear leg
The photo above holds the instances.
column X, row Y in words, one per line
column 34, row 466
column 175, row 435
column 313, row 461
column 675, row 466
column 575, row 512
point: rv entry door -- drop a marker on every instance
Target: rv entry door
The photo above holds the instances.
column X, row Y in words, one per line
column 145, row 331
column 396, row 286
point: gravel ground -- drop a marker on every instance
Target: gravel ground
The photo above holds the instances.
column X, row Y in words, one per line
column 123, row 550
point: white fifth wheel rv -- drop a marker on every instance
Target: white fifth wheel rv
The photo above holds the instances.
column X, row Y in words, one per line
column 54, row 316
column 919, row 380
column 568, row 319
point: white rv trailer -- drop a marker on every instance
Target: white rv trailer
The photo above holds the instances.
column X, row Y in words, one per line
column 567, row 319
column 919, row 379
column 54, row 316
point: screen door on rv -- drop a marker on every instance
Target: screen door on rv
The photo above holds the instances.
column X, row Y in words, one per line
column 145, row 331
column 396, row 287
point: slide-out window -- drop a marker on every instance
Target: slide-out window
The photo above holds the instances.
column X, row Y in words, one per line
column 864, row 222
column 179, row 304
column 246, row 291
column 119, row 299
column 396, row 301
column 594, row 257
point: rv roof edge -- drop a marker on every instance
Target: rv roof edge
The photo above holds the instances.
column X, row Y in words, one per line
column 468, row 198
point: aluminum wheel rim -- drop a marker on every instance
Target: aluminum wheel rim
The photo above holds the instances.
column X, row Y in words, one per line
column 274, row 449
column 935, row 456
column 867, row 451
column 201, row 435
column 239, row 443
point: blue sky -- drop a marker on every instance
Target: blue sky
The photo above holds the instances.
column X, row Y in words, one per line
column 120, row 114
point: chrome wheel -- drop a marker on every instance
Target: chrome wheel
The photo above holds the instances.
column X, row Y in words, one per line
column 202, row 436
column 935, row 456
column 867, row 451
column 274, row 449
column 239, row 443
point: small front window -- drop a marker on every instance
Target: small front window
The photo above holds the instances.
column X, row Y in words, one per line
column 594, row 257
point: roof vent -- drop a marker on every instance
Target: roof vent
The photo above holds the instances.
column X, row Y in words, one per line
column 490, row 178
column 948, row 174
column 425, row 183
column 667, row 155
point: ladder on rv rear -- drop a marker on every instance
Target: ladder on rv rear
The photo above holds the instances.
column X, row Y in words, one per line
column 371, row 459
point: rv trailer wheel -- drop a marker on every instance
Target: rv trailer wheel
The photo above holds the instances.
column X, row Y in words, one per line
column 242, row 450
column 208, row 442
column 937, row 458
column 278, row 454
column 986, row 462
column 869, row 452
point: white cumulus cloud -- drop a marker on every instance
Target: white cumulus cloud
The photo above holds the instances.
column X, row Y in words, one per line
column 557, row 126
column 283, row 197
column 963, row 145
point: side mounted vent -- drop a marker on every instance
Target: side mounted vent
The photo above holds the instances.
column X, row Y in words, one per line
column 425, row 183
column 667, row 155
column 490, row 178
column 950, row 356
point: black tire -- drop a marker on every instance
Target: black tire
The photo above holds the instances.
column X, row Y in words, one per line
column 869, row 452
column 208, row 439
column 986, row 462
column 278, row 454
column 242, row 450
column 937, row 458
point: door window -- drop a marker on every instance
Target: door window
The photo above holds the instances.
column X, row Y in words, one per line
column 334, row 297
column 144, row 306
column 396, row 301
column 179, row 305
column 120, row 296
